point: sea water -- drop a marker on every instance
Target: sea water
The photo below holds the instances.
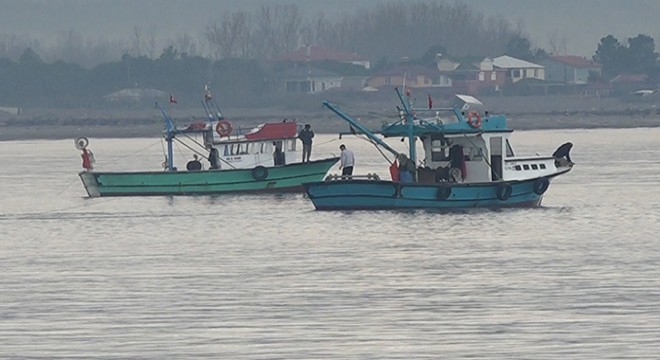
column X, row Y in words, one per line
column 268, row 277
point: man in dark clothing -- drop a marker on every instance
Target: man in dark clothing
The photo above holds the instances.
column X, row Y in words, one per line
column 214, row 158
column 563, row 151
column 306, row 135
column 456, row 161
column 278, row 155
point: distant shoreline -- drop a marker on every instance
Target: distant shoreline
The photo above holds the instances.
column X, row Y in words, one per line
column 522, row 113
column 137, row 128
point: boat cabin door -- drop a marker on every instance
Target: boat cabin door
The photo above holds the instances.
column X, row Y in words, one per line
column 496, row 158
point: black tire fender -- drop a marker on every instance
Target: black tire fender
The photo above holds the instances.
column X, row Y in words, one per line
column 504, row 192
column 444, row 192
column 541, row 186
column 259, row 173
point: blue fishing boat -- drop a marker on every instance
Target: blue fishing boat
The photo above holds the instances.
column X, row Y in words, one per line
column 468, row 162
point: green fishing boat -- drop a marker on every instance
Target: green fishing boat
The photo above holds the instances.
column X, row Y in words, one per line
column 259, row 159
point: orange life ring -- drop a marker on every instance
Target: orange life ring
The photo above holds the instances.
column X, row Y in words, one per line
column 474, row 119
column 223, row 128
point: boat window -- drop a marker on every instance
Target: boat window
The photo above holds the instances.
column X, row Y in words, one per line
column 238, row 149
column 509, row 150
column 526, row 167
column 535, row 167
column 243, row 149
column 518, row 167
column 291, row 145
column 225, row 152
column 542, row 166
column 439, row 148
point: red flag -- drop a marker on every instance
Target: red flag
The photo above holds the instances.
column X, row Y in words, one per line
column 430, row 102
column 172, row 99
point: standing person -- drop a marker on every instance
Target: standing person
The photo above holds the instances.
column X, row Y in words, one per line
column 406, row 168
column 278, row 155
column 347, row 161
column 87, row 159
column 306, row 135
column 214, row 158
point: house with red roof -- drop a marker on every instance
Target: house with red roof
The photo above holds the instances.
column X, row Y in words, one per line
column 570, row 69
column 315, row 53
column 626, row 83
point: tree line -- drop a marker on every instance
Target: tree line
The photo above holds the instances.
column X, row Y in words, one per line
column 638, row 56
column 386, row 31
column 233, row 52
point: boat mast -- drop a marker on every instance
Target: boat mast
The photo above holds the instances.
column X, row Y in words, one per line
column 359, row 126
column 409, row 119
column 169, row 135
column 209, row 101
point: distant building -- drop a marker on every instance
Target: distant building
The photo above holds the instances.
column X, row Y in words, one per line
column 570, row 69
column 473, row 76
column 11, row 110
column 136, row 95
column 627, row 83
column 517, row 69
column 308, row 80
column 414, row 76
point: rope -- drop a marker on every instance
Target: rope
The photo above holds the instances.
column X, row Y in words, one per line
column 127, row 155
column 366, row 138
column 66, row 187
column 193, row 150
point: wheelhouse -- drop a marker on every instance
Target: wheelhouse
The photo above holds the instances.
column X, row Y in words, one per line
column 269, row 144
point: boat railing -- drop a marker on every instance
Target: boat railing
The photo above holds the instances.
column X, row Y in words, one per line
column 337, row 177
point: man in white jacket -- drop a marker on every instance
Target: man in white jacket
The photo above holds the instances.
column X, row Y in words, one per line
column 347, row 161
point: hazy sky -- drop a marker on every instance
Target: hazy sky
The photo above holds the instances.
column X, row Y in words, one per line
column 581, row 23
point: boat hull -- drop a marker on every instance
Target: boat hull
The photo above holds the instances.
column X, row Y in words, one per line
column 388, row 195
column 287, row 178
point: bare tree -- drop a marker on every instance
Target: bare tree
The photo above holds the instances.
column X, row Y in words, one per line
column 557, row 43
column 213, row 35
column 69, row 47
column 185, row 44
column 137, row 42
column 151, row 43
column 229, row 37
column 101, row 50
column 12, row 45
column 277, row 30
